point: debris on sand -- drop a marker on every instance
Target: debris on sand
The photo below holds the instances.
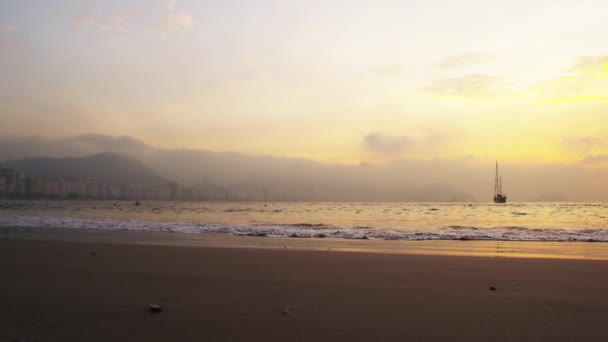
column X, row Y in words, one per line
column 492, row 288
column 155, row 308
column 287, row 311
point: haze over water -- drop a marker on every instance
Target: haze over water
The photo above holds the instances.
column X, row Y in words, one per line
column 348, row 220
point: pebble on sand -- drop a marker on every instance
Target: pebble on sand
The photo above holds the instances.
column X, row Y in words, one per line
column 492, row 288
column 287, row 311
column 155, row 308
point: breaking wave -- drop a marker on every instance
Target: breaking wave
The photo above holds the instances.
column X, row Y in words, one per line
column 309, row 230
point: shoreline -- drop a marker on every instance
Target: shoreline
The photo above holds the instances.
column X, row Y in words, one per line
column 474, row 248
column 56, row 290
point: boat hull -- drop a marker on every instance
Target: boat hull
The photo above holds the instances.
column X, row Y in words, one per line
column 500, row 199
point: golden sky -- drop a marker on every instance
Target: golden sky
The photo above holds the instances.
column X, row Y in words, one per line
column 340, row 81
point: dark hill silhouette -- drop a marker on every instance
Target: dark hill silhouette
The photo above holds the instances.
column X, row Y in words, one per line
column 111, row 168
column 406, row 179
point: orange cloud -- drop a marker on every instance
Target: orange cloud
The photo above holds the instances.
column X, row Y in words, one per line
column 7, row 28
column 174, row 22
column 586, row 81
column 116, row 24
column 466, row 59
column 469, row 86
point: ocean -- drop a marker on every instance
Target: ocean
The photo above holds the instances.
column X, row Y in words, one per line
column 575, row 221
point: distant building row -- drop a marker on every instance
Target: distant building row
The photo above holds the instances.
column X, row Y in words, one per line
column 16, row 184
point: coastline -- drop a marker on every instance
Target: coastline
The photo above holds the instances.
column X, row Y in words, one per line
column 475, row 248
column 56, row 290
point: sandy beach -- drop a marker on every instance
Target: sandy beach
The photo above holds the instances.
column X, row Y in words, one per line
column 86, row 291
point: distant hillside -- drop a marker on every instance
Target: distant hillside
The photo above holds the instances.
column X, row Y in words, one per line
column 107, row 167
column 229, row 173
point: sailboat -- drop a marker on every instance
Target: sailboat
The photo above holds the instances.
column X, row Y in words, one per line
column 499, row 197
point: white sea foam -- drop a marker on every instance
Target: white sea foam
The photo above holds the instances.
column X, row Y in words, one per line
column 306, row 230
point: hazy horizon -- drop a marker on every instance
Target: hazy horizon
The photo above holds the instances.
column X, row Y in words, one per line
column 382, row 181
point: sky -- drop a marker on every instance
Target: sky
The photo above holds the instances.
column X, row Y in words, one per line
column 333, row 81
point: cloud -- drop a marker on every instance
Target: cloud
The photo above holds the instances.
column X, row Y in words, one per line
column 14, row 147
column 11, row 48
column 585, row 81
column 596, row 159
column 174, row 22
column 464, row 60
column 252, row 63
column 584, row 144
column 7, row 28
column 469, row 86
column 386, row 70
column 170, row 4
column 386, row 144
column 591, row 64
column 115, row 24
column 86, row 20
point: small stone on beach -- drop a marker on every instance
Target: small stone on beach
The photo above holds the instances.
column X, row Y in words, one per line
column 492, row 288
column 155, row 308
column 287, row 311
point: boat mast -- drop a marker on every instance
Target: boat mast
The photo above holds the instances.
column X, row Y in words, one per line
column 496, row 181
column 500, row 185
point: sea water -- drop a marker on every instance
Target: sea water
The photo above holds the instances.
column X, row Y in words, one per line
column 342, row 220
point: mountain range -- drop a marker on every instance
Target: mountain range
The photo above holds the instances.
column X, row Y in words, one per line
column 296, row 178
column 113, row 168
column 106, row 167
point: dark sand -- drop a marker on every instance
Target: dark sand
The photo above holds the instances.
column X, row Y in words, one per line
column 61, row 291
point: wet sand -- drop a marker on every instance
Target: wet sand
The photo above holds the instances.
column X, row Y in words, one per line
column 87, row 291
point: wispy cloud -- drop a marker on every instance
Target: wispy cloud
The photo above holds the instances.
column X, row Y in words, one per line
column 386, row 70
column 464, row 60
column 391, row 145
column 7, row 28
column 584, row 145
column 588, row 64
column 469, row 86
column 252, row 63
column 596, row 159
column 170, row 4
column 585, row 81
column 86, row 20
column 175, row 21
column 116, row 24
column 387, row 144
column 9, row 47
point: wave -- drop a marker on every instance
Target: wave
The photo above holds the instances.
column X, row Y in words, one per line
column 310, row 230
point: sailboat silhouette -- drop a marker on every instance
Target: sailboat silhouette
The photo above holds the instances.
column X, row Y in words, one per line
column 499, row 197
